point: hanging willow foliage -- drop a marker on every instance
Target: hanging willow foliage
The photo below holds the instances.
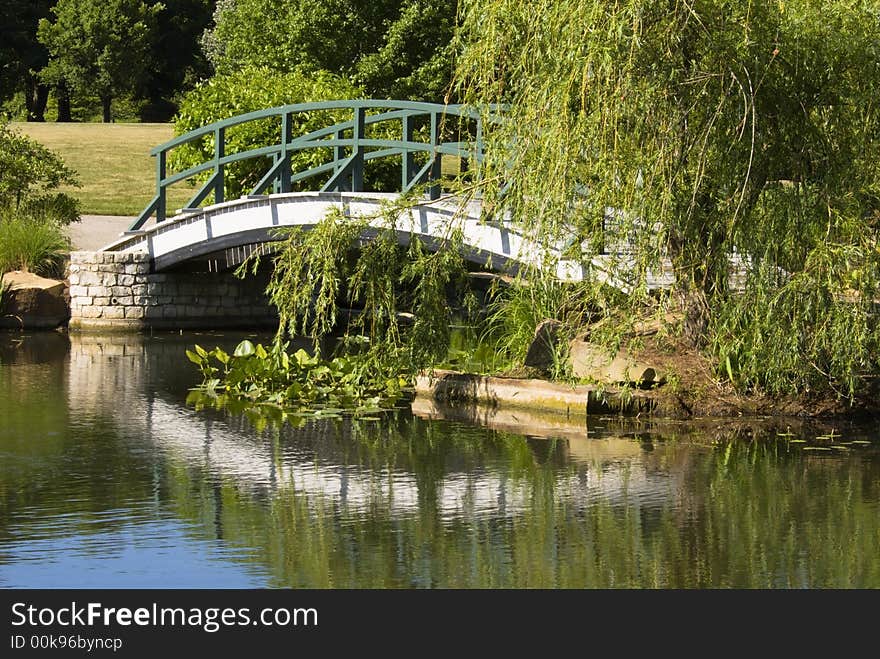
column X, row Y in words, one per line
column 714, row 128
column 405, row 294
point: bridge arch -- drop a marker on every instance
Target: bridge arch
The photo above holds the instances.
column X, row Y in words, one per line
column 145, row 286
column 257, row 219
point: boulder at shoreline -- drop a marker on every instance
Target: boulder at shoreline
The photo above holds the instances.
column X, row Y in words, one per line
column 33, row 302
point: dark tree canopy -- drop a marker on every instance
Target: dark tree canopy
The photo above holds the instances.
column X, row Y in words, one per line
column 176, row 59
column 21, row 54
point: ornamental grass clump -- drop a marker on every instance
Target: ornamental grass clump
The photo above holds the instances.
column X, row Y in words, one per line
column 33, row 245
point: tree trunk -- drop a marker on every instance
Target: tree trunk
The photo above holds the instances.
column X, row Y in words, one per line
column 36, row 97
column 695, row 309
column 105, row 107
column 63, row 96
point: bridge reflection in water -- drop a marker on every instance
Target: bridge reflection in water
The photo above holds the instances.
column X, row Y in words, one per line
column 107, row 375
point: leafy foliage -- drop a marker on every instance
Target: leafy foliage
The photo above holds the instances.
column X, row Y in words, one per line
column 405, row 301
column 514, row 312
column 246, row 90
column 838, row 343
column 317, row 271
column 416, row 54
column 29, row 176
column 285, row 384
column 32, row 212
column 714, row 128
column 393, row 48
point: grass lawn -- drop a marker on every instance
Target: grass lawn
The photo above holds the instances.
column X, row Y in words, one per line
column 114, row 166
column 112, row 162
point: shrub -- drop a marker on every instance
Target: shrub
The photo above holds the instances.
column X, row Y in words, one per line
column 29, row 176
column 247, row 90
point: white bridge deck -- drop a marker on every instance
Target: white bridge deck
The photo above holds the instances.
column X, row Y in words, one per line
column 250, row 220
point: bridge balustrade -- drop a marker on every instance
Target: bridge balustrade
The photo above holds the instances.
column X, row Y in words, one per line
column 424, row 138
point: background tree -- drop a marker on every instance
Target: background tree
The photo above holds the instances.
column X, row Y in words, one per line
column 176, row 59
column 257, row 88
column 714, row 128
column 415, row 57
column 390, row 47
column 22, row 55
column 99, row 46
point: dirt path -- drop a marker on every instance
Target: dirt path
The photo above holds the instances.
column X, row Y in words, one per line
column 93, row 232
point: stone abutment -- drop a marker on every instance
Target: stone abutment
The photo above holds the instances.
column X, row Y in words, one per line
column 118, row 291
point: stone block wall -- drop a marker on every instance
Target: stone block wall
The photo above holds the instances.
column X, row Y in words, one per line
column 117, row 291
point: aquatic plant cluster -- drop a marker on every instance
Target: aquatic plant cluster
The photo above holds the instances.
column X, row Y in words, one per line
column 404, row 296
column 273, row 384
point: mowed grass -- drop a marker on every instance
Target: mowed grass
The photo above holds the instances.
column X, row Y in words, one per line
column 112, row 162
column 114, row 166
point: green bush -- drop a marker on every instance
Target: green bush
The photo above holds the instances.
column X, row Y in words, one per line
column 29, row 175
column 32, row 211
column 247, row 90
column 32, row 244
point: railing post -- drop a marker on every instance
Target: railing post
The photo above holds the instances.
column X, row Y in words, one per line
column 219, row 152
column 339, row 156
column 408, row 164
column 478, row 146
column 357, row 165
column 160, row 187
column 282, row 183
column 434, row 174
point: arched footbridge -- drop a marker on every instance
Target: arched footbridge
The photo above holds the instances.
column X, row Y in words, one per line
column 355, row 157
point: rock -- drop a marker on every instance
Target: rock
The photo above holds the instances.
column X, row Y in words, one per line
column 642, row 327
column 543, row 345
column 33, row 302
column 592, row 362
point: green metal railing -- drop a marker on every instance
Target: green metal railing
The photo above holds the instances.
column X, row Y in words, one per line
column 348, row 139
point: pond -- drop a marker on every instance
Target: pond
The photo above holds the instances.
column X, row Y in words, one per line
column 108, row 479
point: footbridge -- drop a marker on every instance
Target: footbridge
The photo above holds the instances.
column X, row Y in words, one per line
column 382, row 161
column 221, row 235
column 371, row 156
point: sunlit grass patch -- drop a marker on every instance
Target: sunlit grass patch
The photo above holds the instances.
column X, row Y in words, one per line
column 112, row 161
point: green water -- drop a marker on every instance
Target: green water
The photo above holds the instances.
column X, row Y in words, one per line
column 108, row 479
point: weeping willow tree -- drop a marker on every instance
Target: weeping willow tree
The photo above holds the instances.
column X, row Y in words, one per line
column 405, row 295
column 737, row 141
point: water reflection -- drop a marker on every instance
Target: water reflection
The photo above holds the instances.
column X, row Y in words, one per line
column 108, row 476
